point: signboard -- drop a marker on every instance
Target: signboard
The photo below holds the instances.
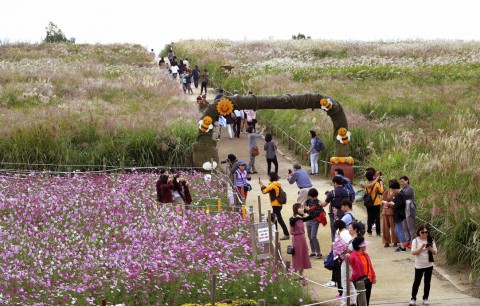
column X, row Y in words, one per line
column 262, row 234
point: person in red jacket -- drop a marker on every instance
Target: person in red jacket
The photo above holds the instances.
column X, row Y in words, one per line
column 362, row 268
column 165, row 188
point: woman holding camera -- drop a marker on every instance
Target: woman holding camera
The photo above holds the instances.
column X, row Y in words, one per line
column 423, row 247
column 181, row 190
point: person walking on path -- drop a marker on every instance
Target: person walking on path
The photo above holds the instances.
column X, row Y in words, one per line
column 304, row 183
column 270, row 153
column 300, row 259
column 273, row 190
column 204, row 78
column 410, row 210
column 313, row 152
column 313, row 208
column 362, row 265
column 253, row 148
column 423, row 247
column 196, row 76
column 374, row 187
column 388, row 223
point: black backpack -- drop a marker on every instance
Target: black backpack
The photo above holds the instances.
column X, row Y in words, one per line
column 368, row 201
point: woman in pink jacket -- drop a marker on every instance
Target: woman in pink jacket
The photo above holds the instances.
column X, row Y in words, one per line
column 362, row 268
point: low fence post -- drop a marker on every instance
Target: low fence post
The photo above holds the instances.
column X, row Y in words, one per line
column 104, row 165
column 219, row 203
column 214, row 288
column 259, row 210
column 261, row 302
column 362, row 296
column 287, row 265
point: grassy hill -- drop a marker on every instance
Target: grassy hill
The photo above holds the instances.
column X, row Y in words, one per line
column 77, row 104
column 413, row 109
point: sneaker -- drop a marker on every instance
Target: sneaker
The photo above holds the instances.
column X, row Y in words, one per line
column 255, row 172
column 319, row 256
column 412, row 302
column 285, row 238
column 395, row 245
column 409, row 246
column 386, row 245
column 331, row 284
column 312, row 255
column 426, row 302
column 400, row 250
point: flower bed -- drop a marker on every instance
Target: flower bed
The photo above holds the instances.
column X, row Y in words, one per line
column 83, row 239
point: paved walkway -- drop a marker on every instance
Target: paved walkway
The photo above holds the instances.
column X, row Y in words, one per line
column 394, row 270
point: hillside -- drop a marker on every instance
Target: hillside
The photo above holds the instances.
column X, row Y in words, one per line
column 413, row 109
column 78, row 104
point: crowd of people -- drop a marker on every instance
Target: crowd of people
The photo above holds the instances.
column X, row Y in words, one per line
column 391, row 209
column 387, row 217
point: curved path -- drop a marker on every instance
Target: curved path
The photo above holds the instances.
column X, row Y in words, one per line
column 394, row 270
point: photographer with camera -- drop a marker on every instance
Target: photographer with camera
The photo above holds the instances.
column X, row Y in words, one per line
column 303, row 182
column 374, row 188
column 232, row 162
column 423, row 247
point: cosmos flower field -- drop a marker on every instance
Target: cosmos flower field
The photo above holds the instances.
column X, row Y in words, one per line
column 89, row 237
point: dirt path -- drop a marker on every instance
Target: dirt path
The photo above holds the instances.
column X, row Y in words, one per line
column 394, row 270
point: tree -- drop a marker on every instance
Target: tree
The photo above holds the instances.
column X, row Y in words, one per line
column 300, row 36
column 54, row 34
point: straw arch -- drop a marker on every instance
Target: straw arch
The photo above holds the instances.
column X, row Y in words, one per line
column 205, row 147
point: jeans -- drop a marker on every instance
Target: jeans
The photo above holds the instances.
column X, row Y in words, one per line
column 409, row 228
column 251, row 163
column 269, row 164
column 312, row 230
column 278, row 212
column 314, row 162
column 373, row 216
column 399, row 231
column 195, row 82
column 236, row 127
column 202, row 87
column 426, row 282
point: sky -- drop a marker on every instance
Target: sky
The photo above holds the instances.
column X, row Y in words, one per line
column 153, row 24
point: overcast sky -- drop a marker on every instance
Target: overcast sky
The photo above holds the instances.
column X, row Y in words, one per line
column 156, row 23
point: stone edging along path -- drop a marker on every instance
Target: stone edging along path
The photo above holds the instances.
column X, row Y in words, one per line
column 394, row 271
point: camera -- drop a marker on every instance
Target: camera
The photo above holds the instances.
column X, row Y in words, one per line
column 224, row 161
column 289, row 171
column 428, row 245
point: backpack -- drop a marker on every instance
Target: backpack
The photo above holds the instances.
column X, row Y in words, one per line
column 282, row 197
column 329, row 262
column 318, row 145
column 351, row 191
column 368, row 201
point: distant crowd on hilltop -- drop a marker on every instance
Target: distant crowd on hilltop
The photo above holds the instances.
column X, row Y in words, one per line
column 180, row 68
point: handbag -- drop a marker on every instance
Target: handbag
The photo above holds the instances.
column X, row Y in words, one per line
column 329, row 262
column 247, row 187
column 255, row 151
column 290, row 250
